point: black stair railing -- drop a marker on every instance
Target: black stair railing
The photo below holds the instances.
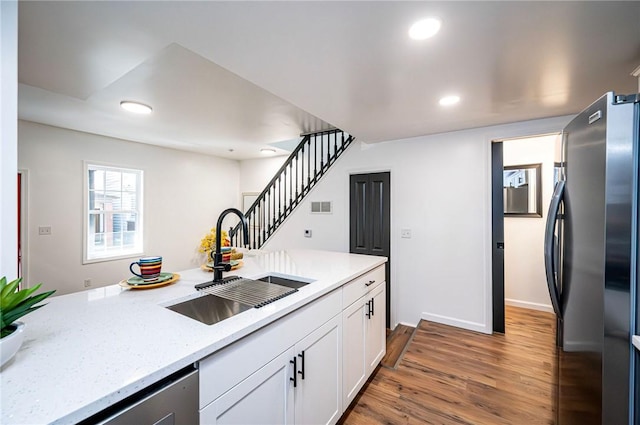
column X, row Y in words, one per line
column 308, row 162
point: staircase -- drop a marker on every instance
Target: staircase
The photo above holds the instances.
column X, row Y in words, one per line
column 309, row 161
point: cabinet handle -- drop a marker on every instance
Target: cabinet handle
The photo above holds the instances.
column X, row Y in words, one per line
column 301, row 355
column 371, row 282
column 294, row 362
column 368, row 313
column 372, row 307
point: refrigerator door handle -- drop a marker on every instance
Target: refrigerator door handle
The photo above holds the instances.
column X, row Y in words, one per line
column 550, row 247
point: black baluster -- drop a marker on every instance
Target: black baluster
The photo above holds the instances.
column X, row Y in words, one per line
column 309, row 164
column 297, row 172
column 248, row 227
column 335, row 145
column 269, row 213
column 284, row 199
column 315, row 157
column 321, row 152
column 279, row 198
column 256, row 220
column 302, row 173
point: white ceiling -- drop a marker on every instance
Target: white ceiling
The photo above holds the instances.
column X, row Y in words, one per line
column 240, row 75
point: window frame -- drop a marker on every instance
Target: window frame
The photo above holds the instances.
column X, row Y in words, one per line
column 121, row 254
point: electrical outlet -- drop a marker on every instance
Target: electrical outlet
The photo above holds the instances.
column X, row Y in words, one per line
column 307, row 233
column 87, row 283
column 405, row 233
column 44, row 230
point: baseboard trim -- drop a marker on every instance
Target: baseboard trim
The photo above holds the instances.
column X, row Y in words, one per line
column 451, row 321
column 526, row 304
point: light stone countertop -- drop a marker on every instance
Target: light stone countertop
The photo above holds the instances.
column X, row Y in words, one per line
column 85, row 351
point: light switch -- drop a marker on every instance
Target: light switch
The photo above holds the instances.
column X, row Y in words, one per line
column 307, row 233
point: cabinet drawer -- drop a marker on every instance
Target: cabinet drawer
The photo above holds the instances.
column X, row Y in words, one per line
column 361, row 285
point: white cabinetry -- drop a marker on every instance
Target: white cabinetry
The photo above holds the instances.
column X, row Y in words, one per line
column 364, row 342
column 265, row 397
column 354, row 330
column 246, row 383
column 376, row 342
column 304, row 368
column 318, row 394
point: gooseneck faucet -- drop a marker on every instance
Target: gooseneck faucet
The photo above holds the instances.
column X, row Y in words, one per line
column 218, row 265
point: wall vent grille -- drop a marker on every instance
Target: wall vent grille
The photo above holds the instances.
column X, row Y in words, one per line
column 321, row 207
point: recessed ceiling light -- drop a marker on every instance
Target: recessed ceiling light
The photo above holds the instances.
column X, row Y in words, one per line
column 135, row 107
column 449, row 100
column 425, row 28
column 267, row 151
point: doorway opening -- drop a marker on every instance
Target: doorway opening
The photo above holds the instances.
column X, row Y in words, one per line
column 523, row 177
column 370, row 221
column 22, row 227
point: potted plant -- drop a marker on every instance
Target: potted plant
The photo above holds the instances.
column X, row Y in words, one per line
column 15, row 303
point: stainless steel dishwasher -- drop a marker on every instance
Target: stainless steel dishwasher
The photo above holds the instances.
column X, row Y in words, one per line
column 171, row 401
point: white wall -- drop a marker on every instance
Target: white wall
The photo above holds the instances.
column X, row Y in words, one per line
column 256, row 173
column 441, row 190
column 183, row 196
column 524, row 277
column 8, row 138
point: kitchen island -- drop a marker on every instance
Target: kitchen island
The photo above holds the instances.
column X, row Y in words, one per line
column 86, row 351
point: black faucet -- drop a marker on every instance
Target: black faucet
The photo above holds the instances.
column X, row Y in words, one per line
column 218, row 265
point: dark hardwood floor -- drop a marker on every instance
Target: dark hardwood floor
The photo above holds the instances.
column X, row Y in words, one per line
column 453, row 376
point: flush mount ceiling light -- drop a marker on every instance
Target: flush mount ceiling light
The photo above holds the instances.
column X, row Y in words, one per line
column 425, row 28
column 449, row 100
column 267, row 151
column 135, row 107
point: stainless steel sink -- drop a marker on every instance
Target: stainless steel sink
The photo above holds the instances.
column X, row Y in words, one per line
column 209, row 309
column 282, row 281
column 233, row 295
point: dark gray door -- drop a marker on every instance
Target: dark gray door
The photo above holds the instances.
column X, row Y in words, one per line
column 497, row 238
column 369, row 220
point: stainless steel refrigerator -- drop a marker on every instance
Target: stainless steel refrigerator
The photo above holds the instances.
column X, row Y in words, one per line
column 590, row 259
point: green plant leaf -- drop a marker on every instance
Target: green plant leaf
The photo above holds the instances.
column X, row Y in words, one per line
column 16, row 314
column 10, row 288
column 24, row 307
column 16, row 303
column 13, row 299
column 34, row 300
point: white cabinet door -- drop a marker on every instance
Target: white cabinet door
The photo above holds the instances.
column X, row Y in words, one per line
column 319, row 387
column 265, row 397
column 376, row 344
column 353, row 350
